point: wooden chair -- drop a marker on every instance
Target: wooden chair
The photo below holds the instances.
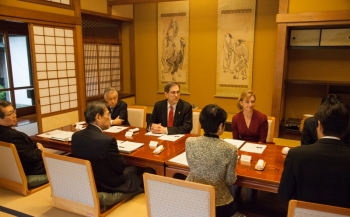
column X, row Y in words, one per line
column 271, row 129
column 12, row 175
column 298, row 208
column 196, row 127
column 73, row 185
column 137, row 116
column 174, row 197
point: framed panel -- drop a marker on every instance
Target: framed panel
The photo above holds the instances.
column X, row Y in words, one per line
column 51, row 47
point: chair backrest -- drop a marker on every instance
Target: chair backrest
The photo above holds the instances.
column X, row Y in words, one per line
column 137, row 116
column 12, row 175
column 301, row 126
column 72, row 184
column 196, row 126
column 298, row 208
column 173, row 197
column 271, row 129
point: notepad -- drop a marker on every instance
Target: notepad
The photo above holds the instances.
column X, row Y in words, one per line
column 180, row 159
column 128, row 147
column 235, row 142
column 58, row 135
column 171, row 138
column 254, row 148
column 115, row 129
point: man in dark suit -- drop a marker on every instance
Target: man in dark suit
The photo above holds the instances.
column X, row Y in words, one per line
column 110, row 170
column 117, row 108
column 29, row 152
column 309, row 134
column 172, row 115
column 319, row 172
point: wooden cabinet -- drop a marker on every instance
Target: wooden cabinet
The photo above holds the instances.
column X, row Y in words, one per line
column 335, row 37
column 319, row 37
column 305, row 73
column 305, row 37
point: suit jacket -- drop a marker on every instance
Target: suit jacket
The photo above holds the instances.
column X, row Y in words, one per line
column 29, row 154
column 212, row 161
column 107, row 164
column 317, row 173
column 309, row 133
column 257, row 131
column 121, row 110
column 182, row 117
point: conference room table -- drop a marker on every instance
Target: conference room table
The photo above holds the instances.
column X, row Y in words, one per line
column 265, row 180
column 142, row 157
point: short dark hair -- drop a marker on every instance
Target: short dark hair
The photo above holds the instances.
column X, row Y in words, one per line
column 333, row 115
column 169, row 85
column 3, row 104
column 211, row 117
column 331, row 97
column 92, row 109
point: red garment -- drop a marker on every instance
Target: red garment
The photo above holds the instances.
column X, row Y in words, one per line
column 257, row 131
column 171, row 116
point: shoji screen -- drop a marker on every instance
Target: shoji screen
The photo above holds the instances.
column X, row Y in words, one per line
column 102, row 68
column 55, row 68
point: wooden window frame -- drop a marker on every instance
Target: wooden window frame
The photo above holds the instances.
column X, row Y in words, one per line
column 53, row 4
column 100, row 93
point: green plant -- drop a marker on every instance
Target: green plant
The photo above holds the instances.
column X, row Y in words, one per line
column 2, row 93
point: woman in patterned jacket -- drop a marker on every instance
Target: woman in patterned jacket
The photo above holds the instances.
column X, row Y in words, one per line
column 212, row 161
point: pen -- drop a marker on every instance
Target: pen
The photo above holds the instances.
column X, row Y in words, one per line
column 176, row 136
column 258, row 147
column 121, row 147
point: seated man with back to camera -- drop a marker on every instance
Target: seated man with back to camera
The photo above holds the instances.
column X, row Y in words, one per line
column 29, row 152
column 172, row 115
column 319, row 173
column 309, row 134
column 117, row 108
column 111, row 173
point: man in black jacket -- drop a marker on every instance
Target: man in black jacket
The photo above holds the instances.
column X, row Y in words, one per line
column 309, row 134
column 29, row 152
column 319, row 173
column 118, row 109
column 110, row 170
column 172, row 115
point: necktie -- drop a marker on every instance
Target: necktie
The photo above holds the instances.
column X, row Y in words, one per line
column 171, row 117
column 111, row 111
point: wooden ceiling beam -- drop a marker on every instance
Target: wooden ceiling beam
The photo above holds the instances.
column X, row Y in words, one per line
column 130, row 2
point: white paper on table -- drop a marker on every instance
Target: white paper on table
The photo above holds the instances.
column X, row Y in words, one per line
column 79, row 127
column 171, row 137
column 236, row 142
column 115, row 129
column 153, row 134
column 80, row 123
column 254, row 148
column 180, row 159
column 128, row 147
column 58, row 135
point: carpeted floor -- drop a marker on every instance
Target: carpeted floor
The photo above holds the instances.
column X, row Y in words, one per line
column 39, row 204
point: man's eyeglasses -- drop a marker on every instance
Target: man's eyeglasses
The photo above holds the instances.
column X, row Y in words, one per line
column 11, row 113
column 174, row 92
